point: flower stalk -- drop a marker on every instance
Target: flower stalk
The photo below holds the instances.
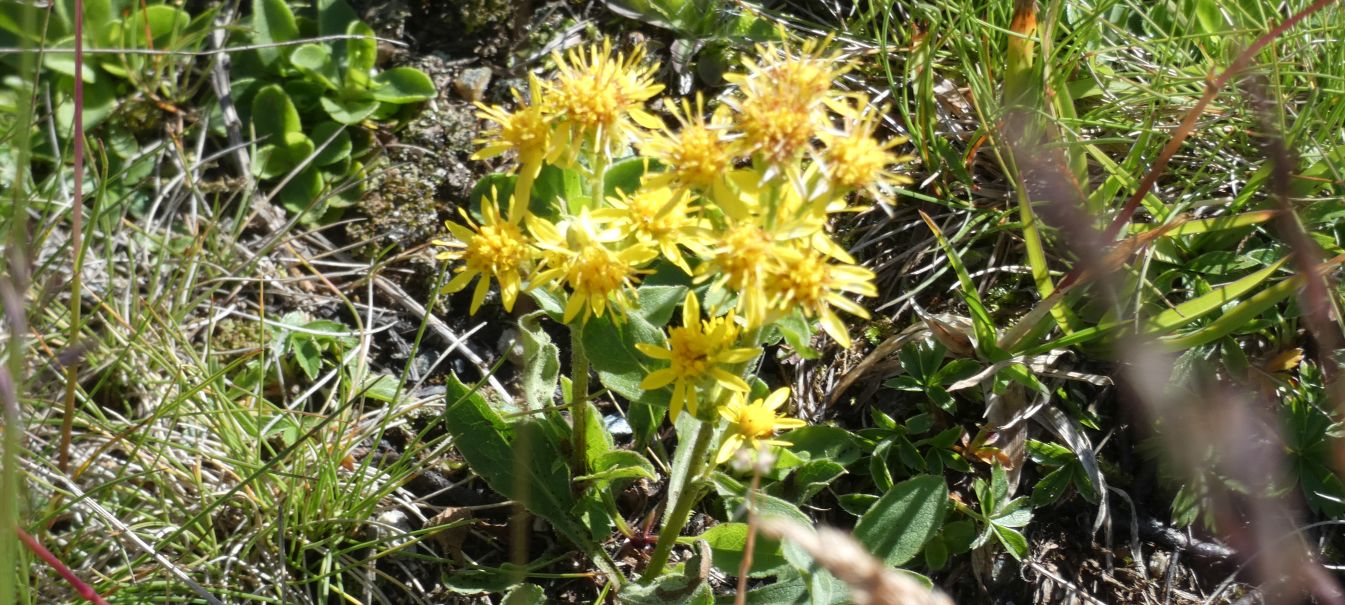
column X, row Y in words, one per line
column 687, row 497
column 578, row 402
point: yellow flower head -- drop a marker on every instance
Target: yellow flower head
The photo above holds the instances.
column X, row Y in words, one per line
column 807, row 281
column 496, row 249
column 753, row 424
column 783, row 98
column 526, row 130
column 741, row 260
column 698, row 154
column 658, row 216
column 597, row 96
column 855, row 160
column 591, row 261
column 698, row 353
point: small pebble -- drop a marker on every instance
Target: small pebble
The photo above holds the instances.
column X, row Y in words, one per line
column 471, row 83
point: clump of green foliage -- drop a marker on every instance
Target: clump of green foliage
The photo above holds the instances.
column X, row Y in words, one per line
column 308, row 102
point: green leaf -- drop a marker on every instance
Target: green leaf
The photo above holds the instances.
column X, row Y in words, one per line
column 273, row 22
column 858, row 503
column 348, row 111
column 686, row 588
column 278, row 160
column 624, row 176
column 798, row 332
column 403, row 85
column 361, row 56
column 809, row 478
column 936, row 554
column 904, row 519
column 611, row 351
column 300, row 193
column 1012, row 539
column 733, row 493
column 337, row 150
column 727, row 542
column 315, row 61
column 525, row 594
column 381, row 387
column 307, row 355
column 497, row 451
column 541, row 362
column 334, row 17
column 822, row 442
column 553, row 185
column 658, row 303
column 273, row 114
column 1211, row 301
column 986, row 333
column 1236, row 318
column 619, row 464
column 1050, row 487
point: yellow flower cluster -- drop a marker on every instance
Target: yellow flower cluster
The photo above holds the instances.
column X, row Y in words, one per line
column 738, row 197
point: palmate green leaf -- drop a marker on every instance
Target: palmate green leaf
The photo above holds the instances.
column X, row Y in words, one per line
column 1013, row 540
column 899, row 524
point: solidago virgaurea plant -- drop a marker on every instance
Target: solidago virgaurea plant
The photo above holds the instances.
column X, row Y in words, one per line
column 612, row 216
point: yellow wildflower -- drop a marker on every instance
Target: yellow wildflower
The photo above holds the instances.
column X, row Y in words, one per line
column 597, row 96
column 525, row 131
column 855, row 160
column 806, row 280
column 699, row 352
column 743, row 257
column 753, row 424
column 591, row 261
column 659, row 216
column 783, row 99
column 496, row 249
column 698, row 154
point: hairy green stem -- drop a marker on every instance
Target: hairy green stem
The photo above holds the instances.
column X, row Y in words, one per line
column 578, row 401
column 676, row 520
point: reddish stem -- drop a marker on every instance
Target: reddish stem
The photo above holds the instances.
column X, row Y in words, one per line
column 41, row 551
